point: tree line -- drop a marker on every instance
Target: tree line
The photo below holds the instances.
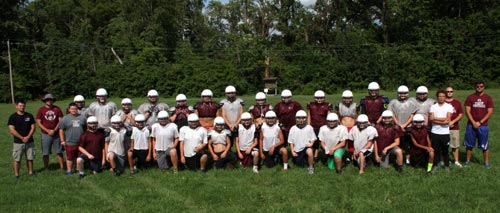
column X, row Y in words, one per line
column 184, row 46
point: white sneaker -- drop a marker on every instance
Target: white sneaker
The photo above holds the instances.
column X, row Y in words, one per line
column 310, row 171
column 255, row 170
column 441, row 163
column 458, row 164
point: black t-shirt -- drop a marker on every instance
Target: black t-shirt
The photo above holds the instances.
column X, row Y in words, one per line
column 22, row 124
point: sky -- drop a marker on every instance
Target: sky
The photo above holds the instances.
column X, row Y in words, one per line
column 304, row 2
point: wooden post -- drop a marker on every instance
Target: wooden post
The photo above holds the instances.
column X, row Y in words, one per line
column 10, row 73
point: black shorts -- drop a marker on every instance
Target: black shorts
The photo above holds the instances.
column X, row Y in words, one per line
column 222, row 162
column 272, row 160
column 95, row 164
column 193, row 163
column 301, row 159
column 141, row 156
column 405, row 140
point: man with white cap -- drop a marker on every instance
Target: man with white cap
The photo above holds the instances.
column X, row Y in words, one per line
column 151, row 109
column 231, row 108
column 181, row 111
column 387, row 142
column 102, row 109
column 140, row 144
column 165, row 137
column 286, row 110
column 48, row 119
column 219, row 145
column 317, row 112
column 92, row 148
column 193, row 140
column 333, row 140
column 207, row 110
column 403, row 110
column 115, row 147
column 271, row 142
column 373, row 104
column 80, row 104
column 363, row 136
column 301, row 140
column 247, row 141
column 259, row 110
column 423, row 103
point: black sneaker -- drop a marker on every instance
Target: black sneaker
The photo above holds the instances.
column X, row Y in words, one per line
column 82, row 176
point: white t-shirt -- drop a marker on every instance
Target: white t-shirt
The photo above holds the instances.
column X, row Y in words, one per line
column 115, row 141
column 192, row 138
column 140, row 137
column 301, row 137
column 246, row 137
column 270, row 136
column 164, row 135
column 441, row 111
column 361, row 138
column 332, row 137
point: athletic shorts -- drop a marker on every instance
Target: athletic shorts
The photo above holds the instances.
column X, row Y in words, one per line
column 272, row 160
column 161, row 158
column 51, row 141
column 301, row 158
column 95, row 164
column 366, row 153
column 455, row 138
column 71, row 152
column 481, row 134
column 420, row 158
column 119, row 161
column 193, row 163
column 222, row 162
column 247, row 159
column 390, row 156
column 20, row 149
column 141, row 156
column 405, row 140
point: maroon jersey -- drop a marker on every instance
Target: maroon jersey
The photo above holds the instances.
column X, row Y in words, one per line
column 387, row 135
column 207, row 109
column 479, row 105
column 318, row 113
column 420, row 135
column 259, row 111
column 457, row 109
column 286, row 113
column 93, row 142
column 373, row 107
column 181, row 113
column 49, row 116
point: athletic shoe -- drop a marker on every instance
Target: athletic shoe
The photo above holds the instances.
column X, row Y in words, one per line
column 467, row 163
column 69, row 173
column 447, row 168
column 441, row 163
column 133, row 171
column 458, row 164
column 434, row 169
column 310, row 171
column 407, row 161
column 255, row 170
column 487, row 165
column 82, row 176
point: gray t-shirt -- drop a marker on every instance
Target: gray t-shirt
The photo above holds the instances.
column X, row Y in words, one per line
column 127, row 123
column 73, row 127
column 402, row 109
column 153, row 110
column 232, row 110
column 103, row 113
column 423, row 107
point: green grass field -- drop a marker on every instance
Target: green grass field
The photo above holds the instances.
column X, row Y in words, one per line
column 471, row 189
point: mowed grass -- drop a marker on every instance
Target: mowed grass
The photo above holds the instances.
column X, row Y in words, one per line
column 464, row 190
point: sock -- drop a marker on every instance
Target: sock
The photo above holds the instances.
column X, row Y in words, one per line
column 285, row 165
column 255, row 167
column 429, row 167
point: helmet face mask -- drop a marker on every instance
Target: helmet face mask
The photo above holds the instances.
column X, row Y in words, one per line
column 193, row 124
column 270, row 121
column 332, row 124
column 362, row 125
column 402, row 96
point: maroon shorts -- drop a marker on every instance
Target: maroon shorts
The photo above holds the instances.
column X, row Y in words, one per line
column 71, row 152
column 247, row 159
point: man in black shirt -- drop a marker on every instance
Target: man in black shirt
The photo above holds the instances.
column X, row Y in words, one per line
column 22, row 126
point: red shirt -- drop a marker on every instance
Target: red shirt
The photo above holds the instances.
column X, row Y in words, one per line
column 457, row 109
column 93, row 142
column 420, row 135
column 318, row 113
column 49, row 116
column 387, row 135
column 373, row 107
column 286, row 113
column 259, row 111
column 207, row 109
column 479, row 106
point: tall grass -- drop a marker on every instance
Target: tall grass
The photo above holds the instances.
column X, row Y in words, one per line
column 469, row 189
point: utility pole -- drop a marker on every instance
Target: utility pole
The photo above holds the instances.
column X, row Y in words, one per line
column 10, row 73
